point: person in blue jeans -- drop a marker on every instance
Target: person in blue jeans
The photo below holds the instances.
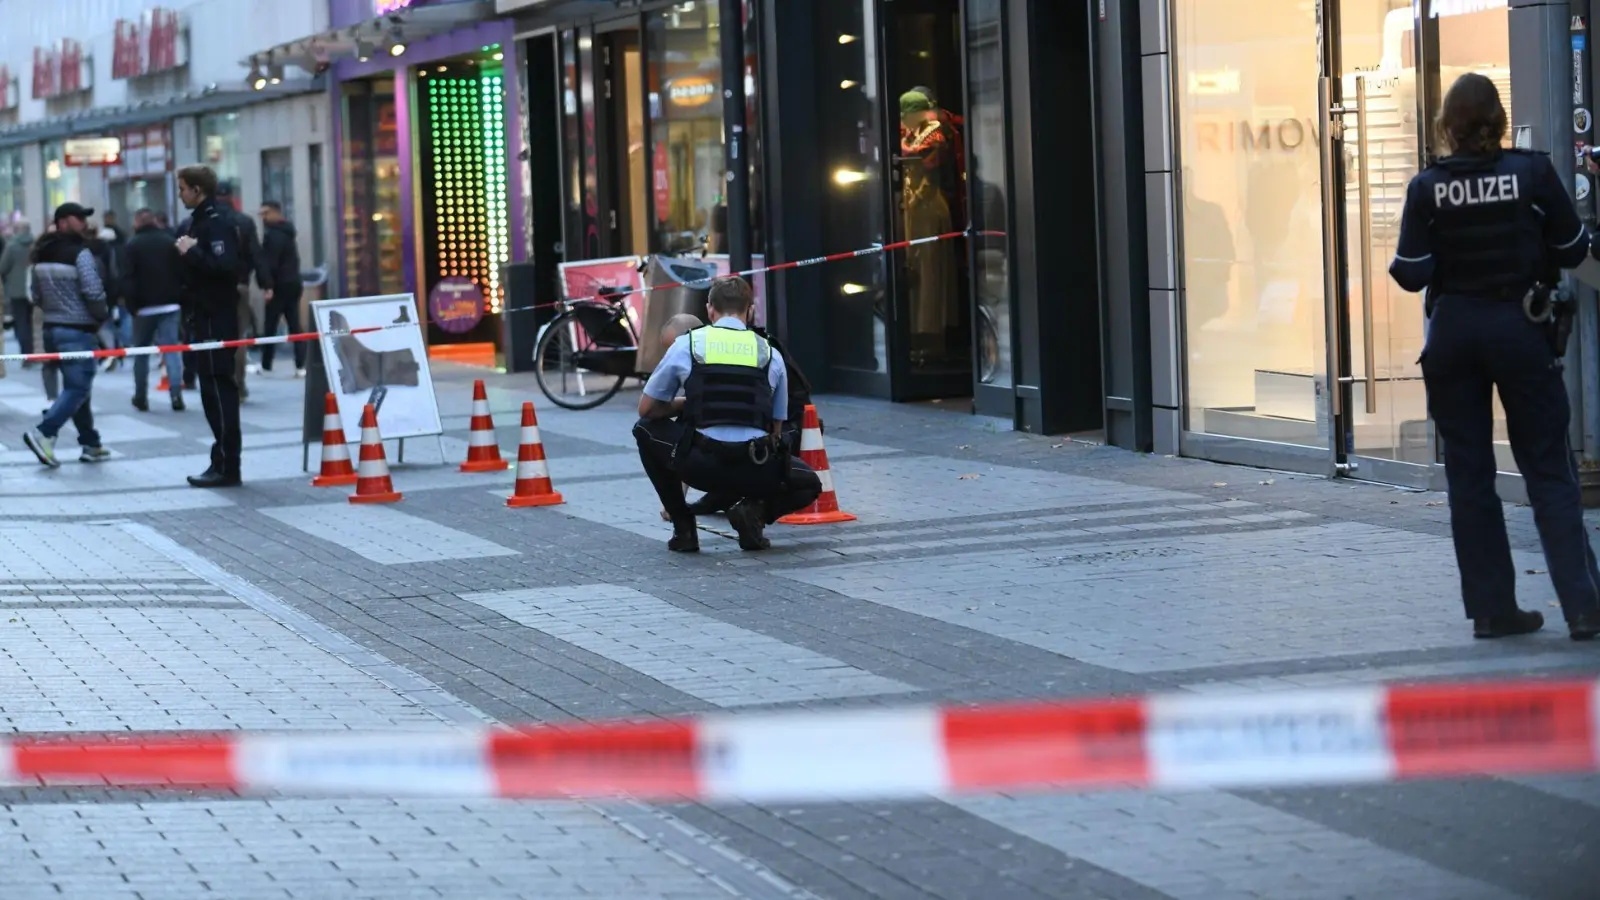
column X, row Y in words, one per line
column 152, row 285
column 72, row 303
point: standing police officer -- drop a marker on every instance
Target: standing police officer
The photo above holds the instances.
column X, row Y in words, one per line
column 725, row 437
column 1481, row 229
column 208, row 244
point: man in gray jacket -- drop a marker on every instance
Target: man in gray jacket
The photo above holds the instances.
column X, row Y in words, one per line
column 72, row 302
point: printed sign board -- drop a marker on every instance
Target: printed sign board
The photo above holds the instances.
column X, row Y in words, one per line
column 395, row 359
column 95, row 151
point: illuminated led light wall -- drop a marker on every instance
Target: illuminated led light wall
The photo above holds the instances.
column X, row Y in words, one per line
column 464, row 218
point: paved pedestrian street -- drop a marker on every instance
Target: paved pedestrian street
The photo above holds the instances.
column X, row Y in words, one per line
column 985, row 565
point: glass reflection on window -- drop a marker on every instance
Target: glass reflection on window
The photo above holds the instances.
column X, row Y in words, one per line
column 990, row 186
column 685, row 108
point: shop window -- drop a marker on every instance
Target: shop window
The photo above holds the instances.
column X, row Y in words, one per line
column 371, row 231
column 61, row 182
column 685, row 100
column 277, row 179
column 1251, row 201
column 574, row 239
column 13, row 193
column 319, row 252
column 220, row 149
column 990, row 185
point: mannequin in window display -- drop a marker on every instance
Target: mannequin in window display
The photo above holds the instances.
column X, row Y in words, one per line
column 927, row 158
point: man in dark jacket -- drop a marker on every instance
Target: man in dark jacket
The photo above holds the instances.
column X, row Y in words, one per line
column 152, row 283
column 208, row 245
column 72, row 302
column 249, row 254
column 278, row 273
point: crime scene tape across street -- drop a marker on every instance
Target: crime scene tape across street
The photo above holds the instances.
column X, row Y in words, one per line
column 124, row 352
column 1174, row 741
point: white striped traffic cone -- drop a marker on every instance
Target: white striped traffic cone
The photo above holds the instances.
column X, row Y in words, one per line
column 483, row 451
column 336, row 468
column 826, row 508
column 533, row 476
column 372, row 477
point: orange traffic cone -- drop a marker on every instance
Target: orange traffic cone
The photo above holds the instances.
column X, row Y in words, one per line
column 533, row 476
column 336, row 468
column 372, row 478
column 483, row 452
column 826, row 508
column 165, row 385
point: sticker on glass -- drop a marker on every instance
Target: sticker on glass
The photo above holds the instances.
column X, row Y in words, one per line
column 1580, row 121
column 1583, row 186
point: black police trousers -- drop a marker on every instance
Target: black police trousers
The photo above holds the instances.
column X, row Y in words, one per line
column 780, row 491
column 1477, row 344
column 219, row 396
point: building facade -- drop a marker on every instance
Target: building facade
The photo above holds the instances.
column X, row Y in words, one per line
column 161, row 83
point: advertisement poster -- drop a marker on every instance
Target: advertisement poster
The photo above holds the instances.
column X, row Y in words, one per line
column 758, row 283
column 590, row 277
column 395, row 359
column 455, row 304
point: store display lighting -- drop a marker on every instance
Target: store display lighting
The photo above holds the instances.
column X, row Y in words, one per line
column 397, row 43
column 848, row 176
column 363, row 51
column 256, row 79
column 847, row 38
column 847, row 84
column 275, row 73
column 853, row 288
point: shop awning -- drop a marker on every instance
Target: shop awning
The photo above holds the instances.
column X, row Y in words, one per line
column 314, row 53
column 194, row 103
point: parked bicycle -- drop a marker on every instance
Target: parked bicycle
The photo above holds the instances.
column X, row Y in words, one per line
column 596, row 344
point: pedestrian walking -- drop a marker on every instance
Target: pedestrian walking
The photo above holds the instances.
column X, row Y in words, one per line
column 208, row 243
column 72, row 304
column 278, row 273
column 1484, row 231
column 152, row 283
column 14, row 280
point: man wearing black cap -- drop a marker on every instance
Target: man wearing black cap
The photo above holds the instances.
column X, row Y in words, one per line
column 208, row 244
column 71, row 298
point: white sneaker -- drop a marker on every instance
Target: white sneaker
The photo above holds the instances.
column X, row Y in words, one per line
column 94, row 455
column 299, row 373
column 42, row 447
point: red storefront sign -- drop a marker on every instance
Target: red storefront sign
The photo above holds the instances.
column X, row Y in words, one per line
column 60, row 70
column 127, row 50
column 153, row 44
column 94, row 151
column 44, row 73
column 8, row 89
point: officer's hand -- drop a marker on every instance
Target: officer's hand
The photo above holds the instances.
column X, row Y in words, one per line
column 186, row 242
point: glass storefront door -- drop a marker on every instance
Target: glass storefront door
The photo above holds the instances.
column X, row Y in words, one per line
column 1377, row 141
column 930, row 351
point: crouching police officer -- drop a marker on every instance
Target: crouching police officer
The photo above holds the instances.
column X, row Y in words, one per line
column 725, row 437
column 1484, row 231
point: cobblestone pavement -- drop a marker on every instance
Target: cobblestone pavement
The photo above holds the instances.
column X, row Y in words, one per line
column 985, row 565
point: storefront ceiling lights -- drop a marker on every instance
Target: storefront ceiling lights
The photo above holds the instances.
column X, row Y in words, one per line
column 849, row 176
column 847, row 84
column 847, row 38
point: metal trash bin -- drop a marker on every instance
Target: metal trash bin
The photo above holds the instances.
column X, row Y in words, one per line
column 694, row 283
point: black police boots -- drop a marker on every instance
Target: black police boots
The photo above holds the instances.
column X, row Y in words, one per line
column 749, row 519
column 1523, row 621
column 211, row 478
column 1584, row 626
column 685, row 537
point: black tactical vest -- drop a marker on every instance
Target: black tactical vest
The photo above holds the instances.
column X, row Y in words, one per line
column 1486, row 233
column 728, row 389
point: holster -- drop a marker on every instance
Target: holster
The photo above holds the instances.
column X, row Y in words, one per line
column 1553, row 309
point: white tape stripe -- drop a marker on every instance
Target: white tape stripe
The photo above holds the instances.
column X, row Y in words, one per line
column 455, row 765
column 8, row 764
column 810, row 439
column 826, row 477
column 855, row 753
column 1301, row 738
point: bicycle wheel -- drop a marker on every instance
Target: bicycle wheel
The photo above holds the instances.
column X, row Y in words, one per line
column 556, row 366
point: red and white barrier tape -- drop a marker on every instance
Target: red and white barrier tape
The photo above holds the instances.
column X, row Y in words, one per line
column 124, row 352
column 1365, row 734
column 128, row 352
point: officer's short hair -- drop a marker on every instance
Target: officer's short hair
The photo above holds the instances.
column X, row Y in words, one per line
column 731, row 296
column 199, row 177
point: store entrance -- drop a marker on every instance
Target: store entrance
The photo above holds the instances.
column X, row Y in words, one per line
column 1384, row 88
column 930, row 302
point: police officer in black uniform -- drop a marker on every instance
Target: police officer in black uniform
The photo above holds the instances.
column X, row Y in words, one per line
column 209, row 245
column 1484, row 231
column 724, row 434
